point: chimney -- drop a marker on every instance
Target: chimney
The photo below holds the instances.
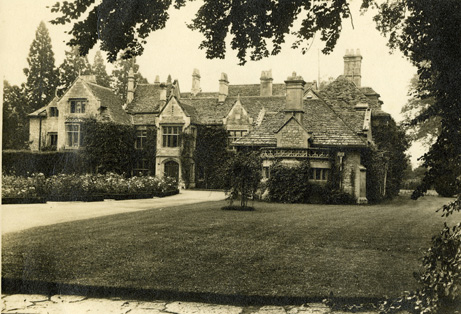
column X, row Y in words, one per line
column 163, row 91
column 157, row 80
column 195, row 82
column 168, row 79
column 294, row 96
column 130, row 88
column 266, row 83
column 223, row 87
column 353, row 66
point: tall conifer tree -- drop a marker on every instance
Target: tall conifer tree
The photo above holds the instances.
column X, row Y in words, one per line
column 73, row 65
column 41, row 73
column 99, row 70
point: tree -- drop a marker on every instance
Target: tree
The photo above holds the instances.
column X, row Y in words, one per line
column 120, row 75
column 73, row 65
column 254, row 25
column 426, row 131
column 428, row 33
column 41, row 73
column 15, row 128
column 99, row 70
column 242, row 175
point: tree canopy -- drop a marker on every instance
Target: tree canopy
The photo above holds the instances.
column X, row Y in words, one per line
column 15, row 127
column 99, row 70
column 41, row 73
column 425, row 132
column 256, row 25
column 73, row 65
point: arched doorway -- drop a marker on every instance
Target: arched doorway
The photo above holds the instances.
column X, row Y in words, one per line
column 172, row 170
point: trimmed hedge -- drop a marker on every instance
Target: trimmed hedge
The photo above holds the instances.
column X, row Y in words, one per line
column 83, row 187
column 25, row 162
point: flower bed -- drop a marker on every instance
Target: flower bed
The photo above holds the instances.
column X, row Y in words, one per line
column 71, row 187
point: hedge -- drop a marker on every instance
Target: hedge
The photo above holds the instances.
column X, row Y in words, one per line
column 25, row 162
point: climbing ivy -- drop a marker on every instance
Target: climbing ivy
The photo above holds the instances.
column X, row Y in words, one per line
column 210, row 155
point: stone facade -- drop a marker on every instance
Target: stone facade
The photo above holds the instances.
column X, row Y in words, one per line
column 291, row 121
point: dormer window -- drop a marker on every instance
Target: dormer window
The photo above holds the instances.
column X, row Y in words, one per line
column 77, row 105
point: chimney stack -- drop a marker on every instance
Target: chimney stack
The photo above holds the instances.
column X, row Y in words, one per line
column 266, row 83
column 163, row 91
column 130, row 88
column 195, row 82
column 223, row 87
column 157, row 80
column 294, row 96
column 353, row 66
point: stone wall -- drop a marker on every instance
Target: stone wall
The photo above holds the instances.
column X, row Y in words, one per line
column 292, row 135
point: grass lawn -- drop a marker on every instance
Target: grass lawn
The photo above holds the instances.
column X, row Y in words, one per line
column 278, row 250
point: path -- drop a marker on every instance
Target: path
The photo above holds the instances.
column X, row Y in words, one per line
column 59, row 304
column 19, row 217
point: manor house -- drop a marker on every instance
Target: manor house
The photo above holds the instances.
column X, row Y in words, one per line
column 286, row 121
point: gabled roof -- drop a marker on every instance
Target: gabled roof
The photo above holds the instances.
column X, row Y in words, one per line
column 327, row 128
column 210, row 111
column 109, row 100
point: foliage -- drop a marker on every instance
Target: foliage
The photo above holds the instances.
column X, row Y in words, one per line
column 301, row 190
column 120, row 75
column 440, row 275
column 254, row 25
column 210, row 155
column 15, row 128
column 426, row 131
column 428, row 32
column 73, row 186
column 25, row 162
column 42, row 76
column 242, row 175
column 73, row 65
column 386, row 162
column 149, row 151
column 99, row 70
column 187, row 151
column 109, row 146
column 296, row 177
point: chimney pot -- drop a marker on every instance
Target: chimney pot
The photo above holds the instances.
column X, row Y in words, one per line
column 130, row 87
column 223, row 87
column 294, row 96
column 266, row 83
column 353, row 67
column 163, row 91
column 195, row 82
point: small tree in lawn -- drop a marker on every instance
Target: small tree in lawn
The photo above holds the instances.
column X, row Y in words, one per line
column 242, row 175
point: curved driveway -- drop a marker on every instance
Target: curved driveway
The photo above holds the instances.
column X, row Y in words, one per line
column 24, row 216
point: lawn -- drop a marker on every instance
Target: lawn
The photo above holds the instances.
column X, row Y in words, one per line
column 278, row 250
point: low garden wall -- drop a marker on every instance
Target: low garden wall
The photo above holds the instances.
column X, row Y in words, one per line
column 72, row 187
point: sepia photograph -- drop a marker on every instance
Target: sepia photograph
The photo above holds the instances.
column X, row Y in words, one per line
column 231, row 156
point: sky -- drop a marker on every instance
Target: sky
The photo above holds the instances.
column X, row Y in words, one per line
column 174, row 50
